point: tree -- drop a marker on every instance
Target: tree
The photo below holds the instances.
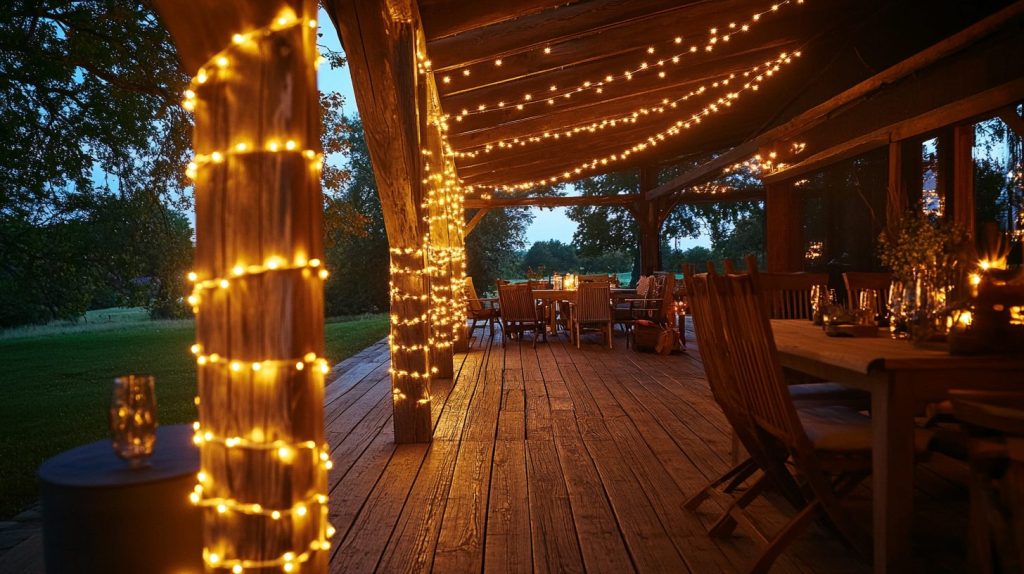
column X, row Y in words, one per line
column 553, row 255
column 356, row 240
column 492, row 248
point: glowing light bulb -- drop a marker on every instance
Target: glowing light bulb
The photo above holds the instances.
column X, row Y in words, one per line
column 222, row 62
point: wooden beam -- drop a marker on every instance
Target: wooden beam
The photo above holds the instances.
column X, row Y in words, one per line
column 480, row 213
column 486, row 43
column 617, row 49
column 863, row 90
column 965, row 109
column 443, row 18
column 649, row 217
column 380, row 39
column 707, row 171
column 948, row 92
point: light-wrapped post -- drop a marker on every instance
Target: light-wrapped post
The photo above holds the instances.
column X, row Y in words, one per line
column 380, row 39
column 258, row 294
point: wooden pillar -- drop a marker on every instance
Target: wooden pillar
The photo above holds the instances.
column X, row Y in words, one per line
column 258, row 282
column 944, row 167
column 380, row 39
column 649, row 215
column 904, row 189
column 963, row 178
column 784, row 227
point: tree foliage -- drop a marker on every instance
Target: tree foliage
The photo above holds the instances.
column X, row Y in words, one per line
column 356, row 240
column 493, row 245
column 93, row 166
column 553, row 255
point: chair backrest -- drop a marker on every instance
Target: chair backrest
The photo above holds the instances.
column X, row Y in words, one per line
column 643, row 286
column 516, row 301
column 788, row 295
column 472, row 301
column 593, row 302
column 754, row 360
column 714, row 350
column 859, row 281
column 539, row 284
column 591, row 278
column 666, row 292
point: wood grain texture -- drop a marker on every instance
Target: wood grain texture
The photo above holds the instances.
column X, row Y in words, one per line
column 252, row 208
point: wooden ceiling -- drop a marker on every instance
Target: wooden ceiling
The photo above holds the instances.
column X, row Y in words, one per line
column 544, row 43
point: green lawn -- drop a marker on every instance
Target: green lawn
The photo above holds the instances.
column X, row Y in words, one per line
column 56, row 381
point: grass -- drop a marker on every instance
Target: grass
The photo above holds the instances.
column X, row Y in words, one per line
column 56, row 383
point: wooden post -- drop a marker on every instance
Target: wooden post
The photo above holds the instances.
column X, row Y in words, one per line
column 944, row 166
column 784, row 227
column 380, row 39
column 963, row 178
column 650, row 215
column 904, row 190
column 258, row 293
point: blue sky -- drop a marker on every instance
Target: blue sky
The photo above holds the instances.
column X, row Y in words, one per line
column 547, row 223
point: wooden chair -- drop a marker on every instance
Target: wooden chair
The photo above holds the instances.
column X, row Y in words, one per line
column 829, row 446
column 860, row 281
column 592, row 307
column 768, row 461
column 995, row 423
column 519, row 312
column 478, row 309
column 787, row 295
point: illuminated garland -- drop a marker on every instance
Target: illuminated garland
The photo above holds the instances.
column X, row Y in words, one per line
column 676, row 128
column 627, row 118
column 716, row 34
column 283, row 451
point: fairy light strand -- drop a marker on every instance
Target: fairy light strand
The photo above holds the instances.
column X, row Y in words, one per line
column 621, row 120
column 283, row 451
column 681, row 48
column 678, row 127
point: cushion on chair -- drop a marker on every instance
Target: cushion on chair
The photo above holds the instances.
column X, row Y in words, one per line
column 839, row 429
column 832, row 393
column 835, row 428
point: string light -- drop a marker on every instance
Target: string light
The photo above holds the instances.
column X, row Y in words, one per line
column 313, row 368
column 675, row 129
column 678, row 47
column 624, row 119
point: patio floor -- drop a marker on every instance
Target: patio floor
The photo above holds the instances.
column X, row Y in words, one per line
column 559, row 459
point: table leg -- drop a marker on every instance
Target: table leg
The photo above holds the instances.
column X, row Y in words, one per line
column 892, row 415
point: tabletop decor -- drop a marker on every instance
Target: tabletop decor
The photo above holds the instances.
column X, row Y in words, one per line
column 133, row 418
column 925, row 255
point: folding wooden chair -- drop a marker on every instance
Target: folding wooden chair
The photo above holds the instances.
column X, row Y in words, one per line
column 519, row 312
column 829, row 445
column 592, row 307
column 478, row 309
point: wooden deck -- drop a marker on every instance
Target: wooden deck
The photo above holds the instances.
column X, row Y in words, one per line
column 559, row 459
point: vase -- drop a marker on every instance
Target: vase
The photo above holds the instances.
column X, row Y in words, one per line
column 133, row 418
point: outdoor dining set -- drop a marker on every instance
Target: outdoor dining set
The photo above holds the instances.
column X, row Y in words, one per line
column 574, row 304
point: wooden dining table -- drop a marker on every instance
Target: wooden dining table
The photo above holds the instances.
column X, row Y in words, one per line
column 901, row 378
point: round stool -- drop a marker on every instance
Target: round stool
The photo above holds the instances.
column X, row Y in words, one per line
column 101, row 515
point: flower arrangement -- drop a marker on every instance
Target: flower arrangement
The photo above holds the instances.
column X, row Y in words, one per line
column 923, row 243
column 926, row 257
